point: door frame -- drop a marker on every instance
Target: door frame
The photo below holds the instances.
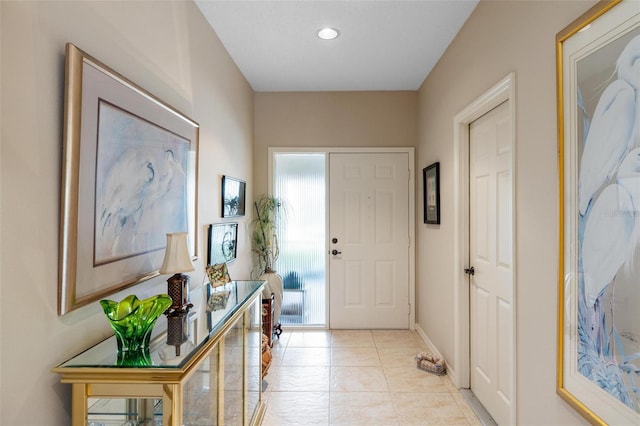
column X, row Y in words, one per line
column 410, row 151
column 501, row 92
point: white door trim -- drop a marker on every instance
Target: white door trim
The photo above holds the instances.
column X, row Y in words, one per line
column 410, row 151
column 501, row 92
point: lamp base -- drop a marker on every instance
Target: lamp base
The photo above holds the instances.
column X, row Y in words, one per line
column 177, row 330
column 178, row 290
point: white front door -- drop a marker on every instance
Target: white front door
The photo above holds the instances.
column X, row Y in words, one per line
column 490, row 230
column 369, row 234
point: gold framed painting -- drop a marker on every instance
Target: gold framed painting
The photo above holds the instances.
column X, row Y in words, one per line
column 129, row 177
column 598, row 86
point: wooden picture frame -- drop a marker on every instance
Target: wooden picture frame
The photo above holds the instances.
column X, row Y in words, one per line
column 431, row 193
column 598, row 316
column 129, row 177
column 233, row 197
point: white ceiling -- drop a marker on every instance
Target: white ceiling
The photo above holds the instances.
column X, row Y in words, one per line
column 383, row 45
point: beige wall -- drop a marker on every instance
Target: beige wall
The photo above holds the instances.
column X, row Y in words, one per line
column 331, row 119
column 169, row 49
column 501, row 37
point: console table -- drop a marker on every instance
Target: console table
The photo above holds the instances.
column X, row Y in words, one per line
column 215, row 381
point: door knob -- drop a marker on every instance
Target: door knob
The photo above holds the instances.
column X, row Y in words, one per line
column 470, row 271
column 335, row 252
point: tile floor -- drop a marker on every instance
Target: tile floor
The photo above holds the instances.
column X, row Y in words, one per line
column 351, row 377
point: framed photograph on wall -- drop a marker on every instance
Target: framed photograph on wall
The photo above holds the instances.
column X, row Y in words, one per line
column 599, row 273
column 223, row 243
column 128, row 179
column 233, row 196
column 431, row 193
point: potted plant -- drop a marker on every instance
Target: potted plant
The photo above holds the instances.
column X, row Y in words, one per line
column 264, row 226
column 264, row 241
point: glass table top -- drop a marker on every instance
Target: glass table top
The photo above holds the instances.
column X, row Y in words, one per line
column 221, row 305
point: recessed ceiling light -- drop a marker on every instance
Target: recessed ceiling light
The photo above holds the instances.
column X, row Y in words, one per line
column 328, row 33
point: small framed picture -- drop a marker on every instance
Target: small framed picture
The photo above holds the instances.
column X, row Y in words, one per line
column 233, row 196
column 223, row 243
column 431, row 193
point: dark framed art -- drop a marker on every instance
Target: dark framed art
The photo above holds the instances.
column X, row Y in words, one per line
column 431, row 193
column 233, row 197
column 223, row 243
column 128, row 178
column 598, row 82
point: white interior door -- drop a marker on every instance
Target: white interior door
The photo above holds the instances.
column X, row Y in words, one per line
column 490, row 246
column 369, row 234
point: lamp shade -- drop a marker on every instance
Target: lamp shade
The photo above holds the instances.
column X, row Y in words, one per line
column 176, row 258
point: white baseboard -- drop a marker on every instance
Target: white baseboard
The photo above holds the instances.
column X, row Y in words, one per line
column 434, row 351
column 428, row 342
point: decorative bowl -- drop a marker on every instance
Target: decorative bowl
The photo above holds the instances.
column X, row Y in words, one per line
column 132, row 321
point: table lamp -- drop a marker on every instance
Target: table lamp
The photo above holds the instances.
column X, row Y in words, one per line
column 176, row 261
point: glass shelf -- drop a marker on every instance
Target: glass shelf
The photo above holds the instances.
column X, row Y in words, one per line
column 124, row 412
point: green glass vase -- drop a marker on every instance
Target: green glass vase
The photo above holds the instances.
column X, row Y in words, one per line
column 132, row 320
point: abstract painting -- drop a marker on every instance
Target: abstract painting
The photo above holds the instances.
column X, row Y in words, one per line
column 599, row 133
column 141, row 185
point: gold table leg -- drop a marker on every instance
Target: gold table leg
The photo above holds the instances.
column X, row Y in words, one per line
column 79, row 408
